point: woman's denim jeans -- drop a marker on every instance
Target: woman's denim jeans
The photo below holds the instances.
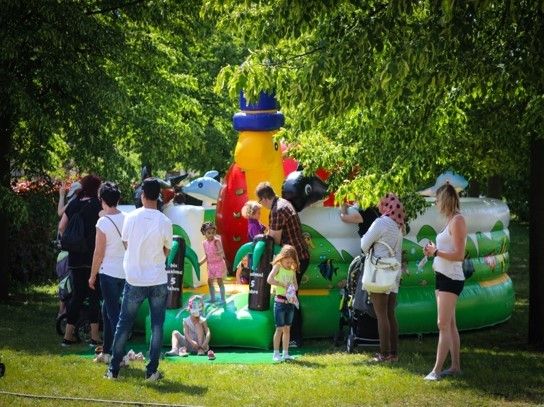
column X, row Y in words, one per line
column 132, row 298
column 112, row 288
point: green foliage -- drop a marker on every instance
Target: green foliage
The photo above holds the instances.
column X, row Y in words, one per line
column 32, row 256
column 395, row 92
column 105, row 87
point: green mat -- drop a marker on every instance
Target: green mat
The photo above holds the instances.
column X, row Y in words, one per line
column 223, row 355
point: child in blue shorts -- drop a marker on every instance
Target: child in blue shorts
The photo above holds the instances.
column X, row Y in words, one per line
column 283, row 280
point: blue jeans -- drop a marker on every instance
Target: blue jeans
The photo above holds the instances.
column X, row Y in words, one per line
column 283, row 314
column 132, row 298
column 111, row 288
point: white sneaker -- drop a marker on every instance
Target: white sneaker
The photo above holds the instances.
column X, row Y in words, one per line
column 277, row 357
column 154, row 377
column 102, row 358
column 288, row 357
column 125, row 361
column 433, row 376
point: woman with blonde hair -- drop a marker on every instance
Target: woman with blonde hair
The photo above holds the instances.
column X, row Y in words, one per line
column 448, row 254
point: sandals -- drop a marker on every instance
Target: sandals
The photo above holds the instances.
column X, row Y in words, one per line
column 379, row 358
column 211, row 355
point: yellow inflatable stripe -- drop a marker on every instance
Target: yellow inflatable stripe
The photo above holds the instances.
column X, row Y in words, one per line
column 233, row 288
column 248, row 112
column 495, row 281
column 314, row 292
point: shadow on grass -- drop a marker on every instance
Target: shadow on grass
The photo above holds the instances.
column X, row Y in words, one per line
column 165, row 385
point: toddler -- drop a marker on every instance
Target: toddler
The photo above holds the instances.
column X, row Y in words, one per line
column 197, row 334
column 252, row 211
column 243, row 270
column 215, row 258
column 283, row 279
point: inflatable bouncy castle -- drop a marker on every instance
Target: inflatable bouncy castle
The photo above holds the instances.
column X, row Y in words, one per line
column 487, row 299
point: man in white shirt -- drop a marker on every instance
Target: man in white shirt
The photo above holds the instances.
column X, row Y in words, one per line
column 147, row 235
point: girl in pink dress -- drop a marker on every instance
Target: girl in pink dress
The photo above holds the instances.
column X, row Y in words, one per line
column 215, row 258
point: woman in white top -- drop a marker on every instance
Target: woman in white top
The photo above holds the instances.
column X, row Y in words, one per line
column 388, row 228
column 448, row 253
column 108, row 260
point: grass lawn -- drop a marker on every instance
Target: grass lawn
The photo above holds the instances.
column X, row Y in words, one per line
column 499, row 368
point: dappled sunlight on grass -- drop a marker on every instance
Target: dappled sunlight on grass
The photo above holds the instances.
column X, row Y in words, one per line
column 499, row 368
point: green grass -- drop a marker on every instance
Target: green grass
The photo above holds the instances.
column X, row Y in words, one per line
column 499, row 367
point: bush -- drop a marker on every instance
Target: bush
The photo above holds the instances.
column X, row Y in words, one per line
column 32, row 257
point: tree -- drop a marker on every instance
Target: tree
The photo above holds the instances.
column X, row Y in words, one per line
column 102, row 86
column 397, row 92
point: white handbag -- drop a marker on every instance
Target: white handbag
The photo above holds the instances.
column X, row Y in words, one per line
column 380, row 273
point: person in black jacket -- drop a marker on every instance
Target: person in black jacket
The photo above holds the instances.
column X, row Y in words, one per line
column 79, row 263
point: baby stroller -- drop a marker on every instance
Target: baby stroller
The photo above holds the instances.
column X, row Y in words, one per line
column 83, row 325
column 356, row 310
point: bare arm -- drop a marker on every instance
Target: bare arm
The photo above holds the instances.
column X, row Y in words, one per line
column 61, row 207
column 98, row 256
column 272, row 277
column 350, row 217
column 458, row 230
column 353, row 217
column 63, row 223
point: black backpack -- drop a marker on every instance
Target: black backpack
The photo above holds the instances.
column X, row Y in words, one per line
column 73, row 239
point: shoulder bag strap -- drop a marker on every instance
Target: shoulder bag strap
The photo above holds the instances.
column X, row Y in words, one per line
column 391, row 251
column 111, row 220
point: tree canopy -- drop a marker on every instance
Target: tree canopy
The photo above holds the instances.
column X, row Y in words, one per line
column 396, row 92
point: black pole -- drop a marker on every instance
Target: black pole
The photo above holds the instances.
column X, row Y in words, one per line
column 259, row 289
column 536, row 245
column 175, row 273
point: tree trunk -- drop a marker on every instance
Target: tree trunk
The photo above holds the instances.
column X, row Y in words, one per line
column 536, row 246
column 6, row 126
column 473, row 190
column 494, row 187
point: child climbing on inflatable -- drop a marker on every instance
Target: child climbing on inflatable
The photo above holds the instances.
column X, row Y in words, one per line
column 243, row 270
column 215, row 258
column 252, row 212
column 197, row 334
column 284, row 281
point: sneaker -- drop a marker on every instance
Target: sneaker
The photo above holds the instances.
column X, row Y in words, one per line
column 110, row 375
column 154, row 377
column 125, row 361
column 378, row 358
column 94, row 343
column 450, row 373
column 288, row 357
column 102, row 358
column 294, row 344
column 68, row 342
column 277, row 357
column 172, row 352
column 211, row 355
column 433, row 376
column 183, row 352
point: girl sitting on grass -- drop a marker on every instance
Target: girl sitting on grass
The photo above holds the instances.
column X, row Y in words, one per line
column 197, row 334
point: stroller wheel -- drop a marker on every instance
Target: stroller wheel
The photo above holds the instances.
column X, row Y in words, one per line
column 61, row 324
column 350, row 343
column 338, row 338
column 83, row 330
